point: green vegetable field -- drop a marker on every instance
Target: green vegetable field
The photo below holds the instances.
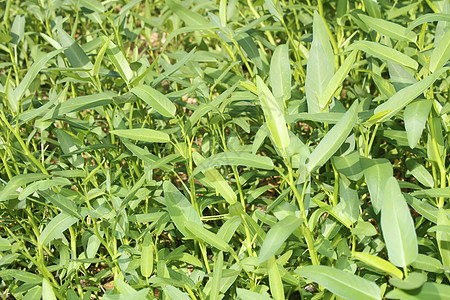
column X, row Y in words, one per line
column 224, row 149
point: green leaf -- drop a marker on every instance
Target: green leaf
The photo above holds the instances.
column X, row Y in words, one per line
column 47, row 290
column 400, row 77
column 228, row 228
column 5, row 245
column 176, row 294
column 398, row 226
column 155, row 99
column 429, row 290
column 275, row 282
column 277, row 235
column 143, row 134
column 223, row 13
column 56, row 227
column 32, row 72
column 427, row 210
column 216, row 179
column 337, row 79
column 191, row 18
column 119, row 61
column 341, row 283
column 349, row 200
column 390, row 29
column 413, row 281
column 406, row 95
column 376, row 173
column 198, row 232
column 86, row 102
column 415, row 116
column 349, row 165
column 320, row 65
column 147, row 256
column 441, row 53
column 17, row 29
column 443, row 238
column 74, row 53
column 431, row 17
column 100, row 55
column 378, row 263
column 280, row 73
column 36, row 294
column 93, row 5
column 171, row 69
column 247, row 294
column 420, row 172
column 250, row 49
column 333, row 139
column 384, row 53
column 63, row 203
column 9, row 191
column 274, row 116
column 24, row 276
column 217, row 276
column 43, row 185
column 235, row 159
column 427, row 263
column 180, row 209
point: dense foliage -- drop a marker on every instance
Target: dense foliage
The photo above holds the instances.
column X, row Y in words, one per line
column 234, row 149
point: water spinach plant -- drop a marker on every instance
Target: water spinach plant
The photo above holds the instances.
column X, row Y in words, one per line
column 234, row 149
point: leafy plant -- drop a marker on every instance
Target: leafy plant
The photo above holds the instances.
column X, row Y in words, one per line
column 224, row 149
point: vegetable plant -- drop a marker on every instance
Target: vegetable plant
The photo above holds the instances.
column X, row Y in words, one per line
column 224, row 149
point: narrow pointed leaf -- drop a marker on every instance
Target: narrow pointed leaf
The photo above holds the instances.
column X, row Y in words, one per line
column 32, row 72
column 384, row 53
column 320, row 65
column 47, row 290
column 333, row 139
column 180, row 209
column 378, row 263
column 420, row 172
column 8, row 192
column 275, row 282
column 280, row 73
column 199, row 232
column 376, row 173
column 406, row 95
column 74, row 53
column 17, row 29
column 217, row 276
column 414, row 281
column 147, row 256
column 189, row 17
column 415, row 116
column 56, row 227
column 235, row 159
column 341, row 283
column 119, row 61
column 441, row 53
column 390, row 29
column 143, row 134
column 398, row 227
column 155, row 99
column 176, row 294
column 430, row 290
column 277, row 235
column 86, row 102
column 337, row 79
column 217, row 180
column 443, row 239
column 274, row 116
